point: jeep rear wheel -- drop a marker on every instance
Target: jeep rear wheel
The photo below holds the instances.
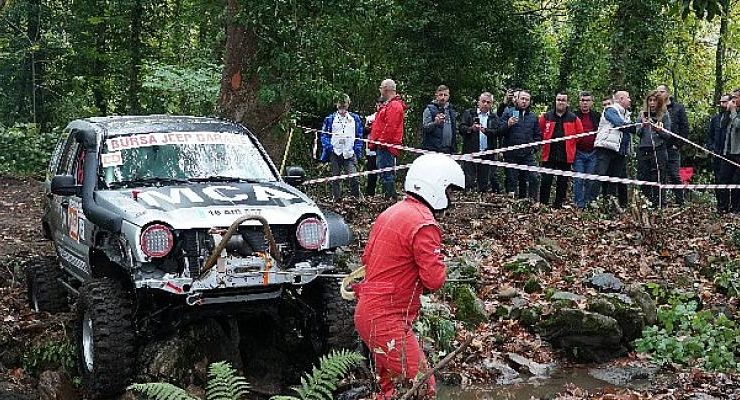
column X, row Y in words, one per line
column 45, row 292
column 335, row 316
column 105, row 337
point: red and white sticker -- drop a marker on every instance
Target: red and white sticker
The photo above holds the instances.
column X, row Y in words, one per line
column 111, row 159
column 119, row 143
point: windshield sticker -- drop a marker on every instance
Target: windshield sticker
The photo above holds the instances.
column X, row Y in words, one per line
column 111, row 159
column 178, row 138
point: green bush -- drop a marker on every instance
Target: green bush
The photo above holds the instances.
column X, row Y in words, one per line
column 53, row 354
column 25, row 150
column 690, row 337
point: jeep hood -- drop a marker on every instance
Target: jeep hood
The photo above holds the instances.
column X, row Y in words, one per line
column 208, row 204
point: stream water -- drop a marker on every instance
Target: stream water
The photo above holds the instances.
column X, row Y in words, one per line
column 539, row 388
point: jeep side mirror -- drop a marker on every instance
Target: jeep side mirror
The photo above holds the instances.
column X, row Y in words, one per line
column 294, row 176
column 65, row 185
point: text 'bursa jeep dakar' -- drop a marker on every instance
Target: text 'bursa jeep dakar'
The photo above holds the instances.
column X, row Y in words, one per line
column 158, row 218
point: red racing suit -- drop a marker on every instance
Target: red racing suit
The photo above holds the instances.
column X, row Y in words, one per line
column 402, row 258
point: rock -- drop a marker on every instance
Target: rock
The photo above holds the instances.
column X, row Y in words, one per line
column 172, row 359
column 529, row 316
column 54, row 385
column 507, row 292
column 606, row 283
column 526, row 263
column 575, row 298
column 691, row 260
column 469, row 308
column 584, row 335
column 644, row 301
column 625, row 375
column 629, row 315
column 517, row 305
column 535, row 368
column 508, row 374
column 551, row 245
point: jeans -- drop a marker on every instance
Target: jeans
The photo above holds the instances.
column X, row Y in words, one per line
column 611, row 163
column 372, row 179
column 651, row 167
column 673, row 164
column 388, row 178
column 560, row 188
column 522, row 183
column 349, row 165
column 585, row 162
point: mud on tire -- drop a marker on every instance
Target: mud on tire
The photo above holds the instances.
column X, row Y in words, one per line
column 45, row 292
column 335, row 316
column 105, row 337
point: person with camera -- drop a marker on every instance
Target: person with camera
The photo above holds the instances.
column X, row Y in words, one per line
column 558, row 123
column 341, row 146
column 652, row 154
column 403, row 258
column 478, row 128
column 388, row 128
column 520, row 126
column 680, row 126
column 438, row 125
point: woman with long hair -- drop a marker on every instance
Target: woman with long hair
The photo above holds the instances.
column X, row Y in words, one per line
column 652, row 152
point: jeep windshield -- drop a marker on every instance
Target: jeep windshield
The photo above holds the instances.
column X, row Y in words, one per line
column 154, row 159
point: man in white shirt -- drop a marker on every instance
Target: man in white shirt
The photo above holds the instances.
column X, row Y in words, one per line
column 340, row 145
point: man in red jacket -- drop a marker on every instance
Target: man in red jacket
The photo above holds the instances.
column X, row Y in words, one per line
column 388, row 128
column 558, row 123
column 403, row 258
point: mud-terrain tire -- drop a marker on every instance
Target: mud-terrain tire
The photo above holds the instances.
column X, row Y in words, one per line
column 45, row 292
column 334, row 316
column 106, row 340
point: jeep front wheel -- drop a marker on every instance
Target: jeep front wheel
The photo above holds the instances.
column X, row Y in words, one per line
column 334, row 316
column 105, row 337
column 45, row 292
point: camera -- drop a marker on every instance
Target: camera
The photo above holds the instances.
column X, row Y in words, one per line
column 476, row 120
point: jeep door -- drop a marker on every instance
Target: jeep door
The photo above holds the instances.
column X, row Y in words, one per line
column 70, row 228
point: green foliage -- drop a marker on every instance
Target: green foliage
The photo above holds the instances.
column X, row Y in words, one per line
column 727, row 278
column 52, row 354
column 183, row 89
column 323, row 380
column 436, row 327
column 690, row 337
column 25, row 150
column 224, row 383
column 161, row 391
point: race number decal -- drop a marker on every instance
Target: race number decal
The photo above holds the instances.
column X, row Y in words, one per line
column 73, row 220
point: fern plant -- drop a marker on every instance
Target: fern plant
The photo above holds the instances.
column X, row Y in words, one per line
column 323, row 380
column 224, row 384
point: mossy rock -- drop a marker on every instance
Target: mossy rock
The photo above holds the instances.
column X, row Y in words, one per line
column 629, row 315
column 532, row 285
column 643, row 300
column 502, row 312
column 469, row 308
column 529, row 316
column 583, row 335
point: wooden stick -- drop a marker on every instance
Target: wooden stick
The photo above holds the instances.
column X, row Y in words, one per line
column 437, row 367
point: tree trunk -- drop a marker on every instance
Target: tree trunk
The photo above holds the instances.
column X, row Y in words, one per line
column 134, row 79
column 719, row 60
column 35, row 62
column 240, row 84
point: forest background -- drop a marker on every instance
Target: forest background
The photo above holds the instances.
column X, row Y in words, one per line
column 273, row 63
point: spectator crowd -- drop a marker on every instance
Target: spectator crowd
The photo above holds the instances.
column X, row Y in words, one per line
column 603, row 143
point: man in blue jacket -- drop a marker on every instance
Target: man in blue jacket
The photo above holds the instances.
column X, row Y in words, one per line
column 519, row 125
column 341, row 147
column 439, row 123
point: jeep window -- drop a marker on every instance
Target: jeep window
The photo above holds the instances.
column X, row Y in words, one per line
column 158, row 158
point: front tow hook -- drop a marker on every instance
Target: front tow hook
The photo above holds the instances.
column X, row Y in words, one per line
column 216, row 253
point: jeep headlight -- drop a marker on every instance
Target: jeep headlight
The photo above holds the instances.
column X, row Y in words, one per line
column 156, row 240
column 311, row 233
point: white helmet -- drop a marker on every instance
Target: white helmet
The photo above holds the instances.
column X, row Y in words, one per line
column 429, row 177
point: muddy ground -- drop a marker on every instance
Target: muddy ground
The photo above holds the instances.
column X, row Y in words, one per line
column 482, row 230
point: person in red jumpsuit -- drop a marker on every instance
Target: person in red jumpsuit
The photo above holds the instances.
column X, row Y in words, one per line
column 403, row 259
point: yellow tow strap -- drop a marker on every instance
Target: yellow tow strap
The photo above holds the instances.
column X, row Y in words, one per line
column 345, row 288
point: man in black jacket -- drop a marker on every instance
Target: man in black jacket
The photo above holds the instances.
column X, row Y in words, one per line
column 680, row 126
column 478, row 128
column 716, row 143
column 520, row 126
column 438, row 126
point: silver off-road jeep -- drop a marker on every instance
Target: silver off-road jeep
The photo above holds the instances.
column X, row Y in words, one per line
column 158, row 218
